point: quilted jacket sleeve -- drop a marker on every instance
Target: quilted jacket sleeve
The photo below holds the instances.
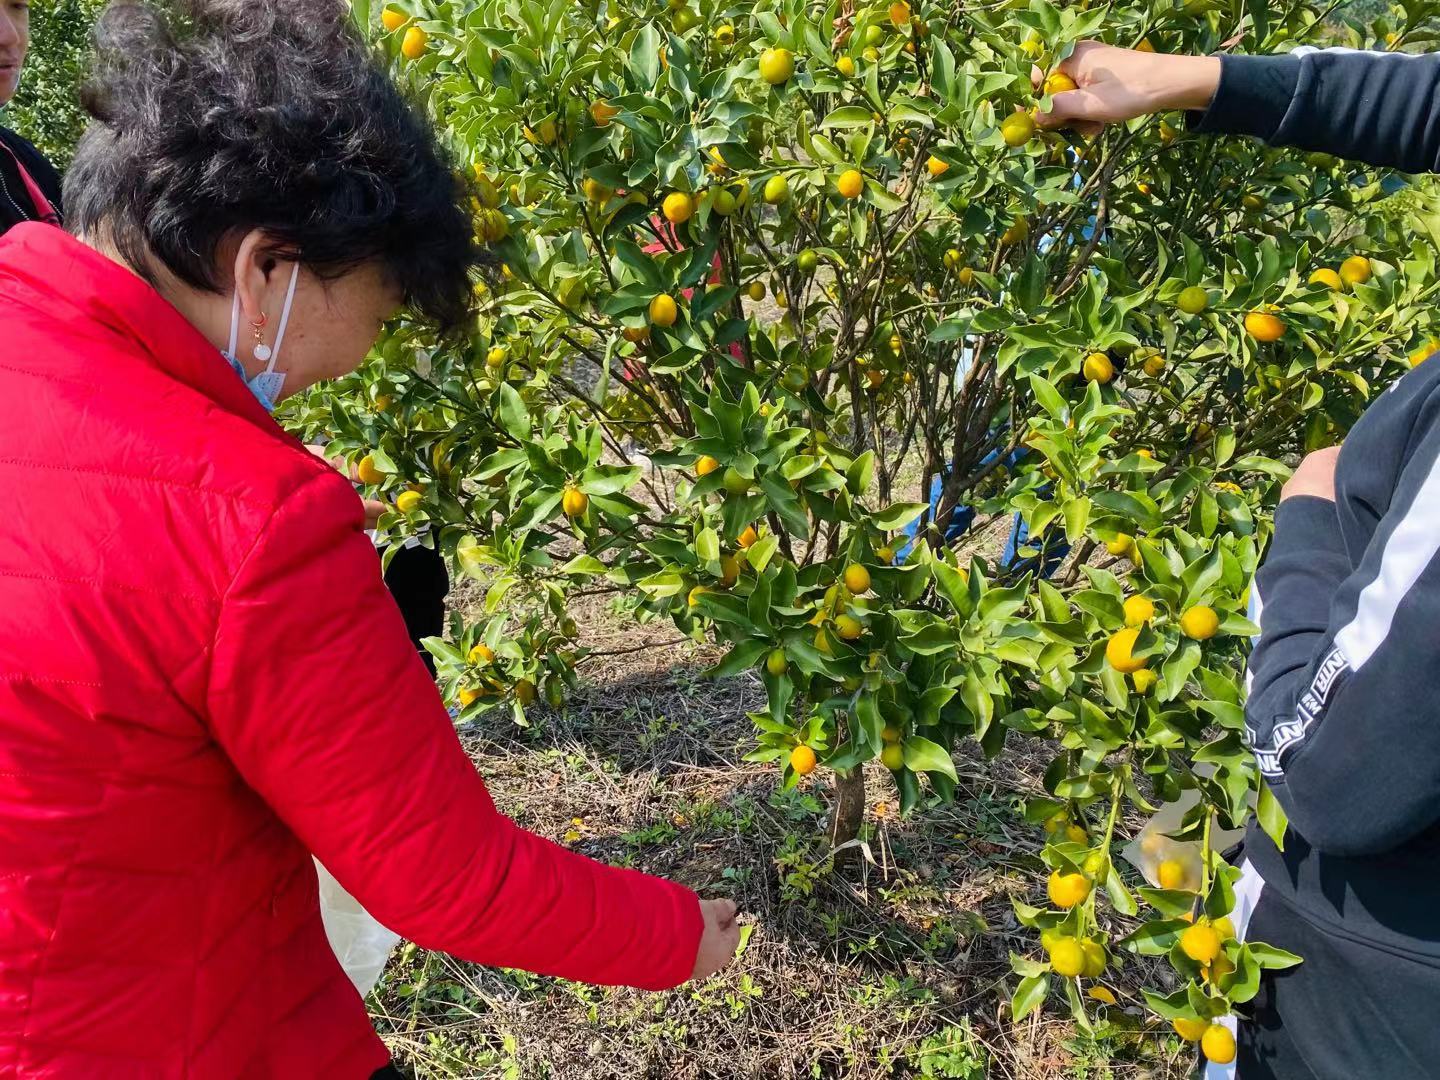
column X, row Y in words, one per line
column 320, row 700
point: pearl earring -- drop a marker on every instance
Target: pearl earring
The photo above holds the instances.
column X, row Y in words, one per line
column 261, row 350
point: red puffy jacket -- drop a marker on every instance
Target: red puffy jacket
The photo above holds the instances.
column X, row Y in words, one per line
column 203, row 681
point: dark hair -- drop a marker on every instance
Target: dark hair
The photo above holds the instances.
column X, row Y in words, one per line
column 219, row 116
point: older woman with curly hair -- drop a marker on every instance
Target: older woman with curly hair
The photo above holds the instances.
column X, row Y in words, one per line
column 202, row 678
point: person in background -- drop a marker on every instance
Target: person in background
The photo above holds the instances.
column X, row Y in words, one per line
column 203, row 681
column 29, row 185
column 1342, row 727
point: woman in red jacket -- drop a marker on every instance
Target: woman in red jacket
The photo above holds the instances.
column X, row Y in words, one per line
column 202, row 678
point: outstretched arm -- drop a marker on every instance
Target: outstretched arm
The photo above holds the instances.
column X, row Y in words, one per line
column 1379, row 108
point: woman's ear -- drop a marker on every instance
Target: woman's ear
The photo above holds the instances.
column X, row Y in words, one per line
column 252, row 280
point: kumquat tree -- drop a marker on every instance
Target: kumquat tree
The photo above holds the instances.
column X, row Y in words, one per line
column 786, row 294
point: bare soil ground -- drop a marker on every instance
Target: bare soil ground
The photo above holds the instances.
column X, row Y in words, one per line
column 894, row 967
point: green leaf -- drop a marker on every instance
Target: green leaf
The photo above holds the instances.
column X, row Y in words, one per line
column 742, row 657
column 1270, row 958
column 847, row 116
column 896, row 516
column 583, row 564
column 762, row 551
column 922, row 755
column 1271, row 815
column 514, row 416
column 1029, row 996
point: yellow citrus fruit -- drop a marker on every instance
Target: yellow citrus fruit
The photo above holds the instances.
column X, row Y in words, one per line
column 1189, row 1029
column 1224, row 927
column 1119, row 652
column 1145, row 46
column 574, row 502
column 1032, row 47
column 935, row 167
column 1144, row 680
column 885, row 554
column 595, row 191
column 1200, row 943
column 776, row 663
column 1172, row 874
column 1327, row 277
column 1098, row 368
column 695, row 594
column 678, row 207
column 663, row 310
column 602, row 112
column 802, row 760
column 748, row 537
column 1264, row 326
column 705, row 465
column 1153, row 365
column 1067, row 957
column 1200, row 622
column 1056, row 822
column 890, row 734
column 1355, row 270
column 547, row 131
column 857, row 579
column 777, row 190
column 635, row 334
column 525, row 692
column 776, row 66
column 723, row 203
column 1420, row 355
column 893, row 757
column 1017, row 129
column 1067, row 890
column 1016, row 233
column 900, row 14
column 1138, row 610
column 468, row 697
column 495, row 358
column 1192, row 300
column 408, row 501
column 729, row 570
column 845, row 66
column 481, row 654
column 1167, row 134
column 367, row 472
column 1094, row 959
column 725, row 35
column 850, row 184
column 966, row 276
column 1076, row 834
column 1218, row 1045
column 1123, row 544
column 849, row 628
column 1057, row 82
column 755, row 290
column 392, row 20
column 414, row 44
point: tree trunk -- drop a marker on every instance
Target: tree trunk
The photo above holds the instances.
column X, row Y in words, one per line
column 847, row 812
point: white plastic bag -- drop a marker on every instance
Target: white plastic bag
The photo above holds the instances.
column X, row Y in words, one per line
column 1152, row 847
column 362, row 945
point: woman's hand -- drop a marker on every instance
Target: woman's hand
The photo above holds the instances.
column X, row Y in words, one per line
column 1114, row 85
column 720, row 939
column 373, row 507
column 1315, row 475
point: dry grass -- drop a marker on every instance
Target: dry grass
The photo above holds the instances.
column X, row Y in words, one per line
column 897, row 966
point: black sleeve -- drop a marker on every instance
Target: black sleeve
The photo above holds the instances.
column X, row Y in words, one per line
column 1379, row 108
column 1342, row 715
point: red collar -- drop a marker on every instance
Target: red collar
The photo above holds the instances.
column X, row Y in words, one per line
column 51, row 271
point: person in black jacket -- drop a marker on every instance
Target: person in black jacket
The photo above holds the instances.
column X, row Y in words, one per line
column 29, row 185
column 1343, row 721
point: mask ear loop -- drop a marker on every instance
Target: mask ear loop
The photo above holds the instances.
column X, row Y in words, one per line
column 234, row 326
column 284, row 319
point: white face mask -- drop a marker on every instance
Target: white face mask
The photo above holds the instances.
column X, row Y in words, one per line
column 267, row 385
